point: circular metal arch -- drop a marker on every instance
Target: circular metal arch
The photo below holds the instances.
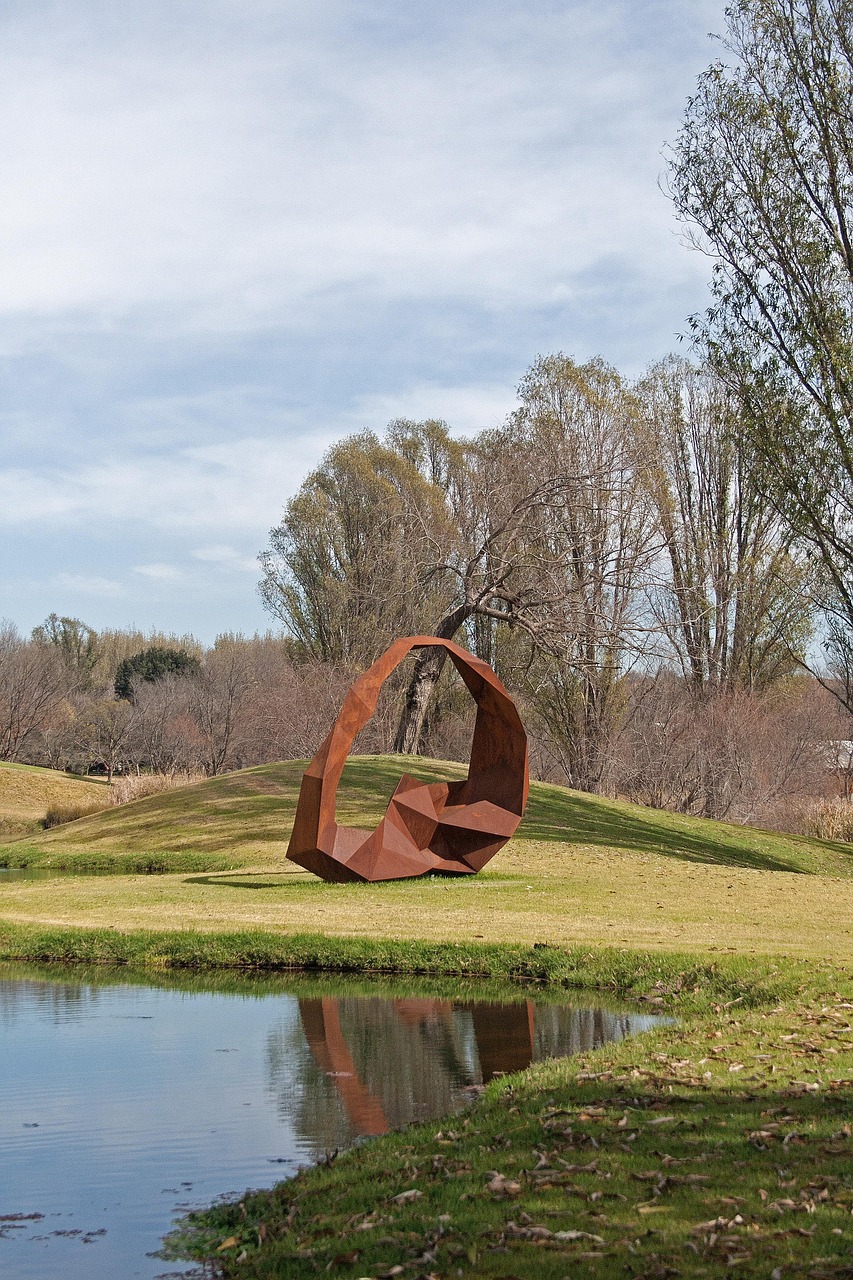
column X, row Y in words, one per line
column 451, row 827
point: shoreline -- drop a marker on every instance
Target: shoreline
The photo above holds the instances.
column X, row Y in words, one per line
column 657, row 1154
column 690, row 1149
column 669, row 981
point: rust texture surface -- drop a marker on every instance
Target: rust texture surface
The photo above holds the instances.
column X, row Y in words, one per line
column 440, row 826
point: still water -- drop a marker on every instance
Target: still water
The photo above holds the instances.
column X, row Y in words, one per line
column 123, row 1105
column 27, row 873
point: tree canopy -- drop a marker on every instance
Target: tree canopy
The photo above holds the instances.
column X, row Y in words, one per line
column 151, row 665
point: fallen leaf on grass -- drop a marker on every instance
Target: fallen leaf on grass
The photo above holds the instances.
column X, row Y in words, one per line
column 499, row 1185
column 406, row 1197
column 592, row 1167
column 532, row 1232
column 578, row 1235
column 228, row 1244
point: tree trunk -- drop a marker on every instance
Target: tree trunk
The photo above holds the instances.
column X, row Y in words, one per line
column 428, row 668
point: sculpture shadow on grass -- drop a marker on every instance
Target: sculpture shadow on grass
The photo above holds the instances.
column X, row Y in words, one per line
column 559, row 815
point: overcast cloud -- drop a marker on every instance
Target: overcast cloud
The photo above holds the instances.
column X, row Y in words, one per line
column 231, row 233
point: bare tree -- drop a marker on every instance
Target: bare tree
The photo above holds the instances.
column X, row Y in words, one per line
column 32, row 686
column 731, row 597
column 165, row 735
column 741, row 754
column 762, row 174
column 488, row 568
column 104, row 732
column 218, row 701
column 589, row 549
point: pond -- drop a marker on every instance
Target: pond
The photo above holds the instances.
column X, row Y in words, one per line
column 124, row 1103
column 26, row 873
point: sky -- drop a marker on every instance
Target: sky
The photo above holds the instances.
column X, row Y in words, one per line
column 232, row 233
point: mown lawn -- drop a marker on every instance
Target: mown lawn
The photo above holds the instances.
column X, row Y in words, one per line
column 582, row 869
column 245, row 817
column 27, row 792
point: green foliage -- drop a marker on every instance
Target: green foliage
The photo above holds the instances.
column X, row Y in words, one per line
column 346, row 569
column 77, row 643
column 151, row 665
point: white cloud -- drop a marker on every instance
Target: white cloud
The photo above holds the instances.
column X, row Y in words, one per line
column 243, row 171
column 89, row 585
column 232, row 485
column 161, row 572
column 232, row 233
column 227, row 558
column 466, row 409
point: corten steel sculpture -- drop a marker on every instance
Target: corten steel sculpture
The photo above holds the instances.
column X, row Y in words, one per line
column 441, row 826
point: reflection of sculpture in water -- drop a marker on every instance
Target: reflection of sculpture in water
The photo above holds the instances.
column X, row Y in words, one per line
column 321, row 1020
column 451, row 827
column 359, row 1065
column 503, row 1041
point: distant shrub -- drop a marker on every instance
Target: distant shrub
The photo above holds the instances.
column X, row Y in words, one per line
column 137, row 786
column 830, row 820
column 151, row 665
column 57, row 814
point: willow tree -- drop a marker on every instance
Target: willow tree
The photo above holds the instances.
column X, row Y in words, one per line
column 416, row 533
column 345, row 568
column 762, row 173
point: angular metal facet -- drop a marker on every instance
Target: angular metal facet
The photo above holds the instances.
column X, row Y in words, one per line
column 451, row 827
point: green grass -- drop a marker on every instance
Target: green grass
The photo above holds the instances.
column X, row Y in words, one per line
column 558, row 814
column 307, row 982
column 582, row 871
column 27, row 792
column 245, row 818
column 674, row 981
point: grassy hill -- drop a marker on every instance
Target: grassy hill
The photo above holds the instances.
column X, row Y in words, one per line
column 244, row 819
column 26, row 793
column 582, row 868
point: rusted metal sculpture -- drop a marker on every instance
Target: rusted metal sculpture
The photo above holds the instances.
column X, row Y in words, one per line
column 440, row 826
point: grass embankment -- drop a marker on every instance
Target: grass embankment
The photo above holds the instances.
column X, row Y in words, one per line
column 26, row 793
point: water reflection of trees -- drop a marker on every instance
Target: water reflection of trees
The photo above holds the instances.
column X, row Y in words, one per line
column 57, row 1001
column 362, row 1065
